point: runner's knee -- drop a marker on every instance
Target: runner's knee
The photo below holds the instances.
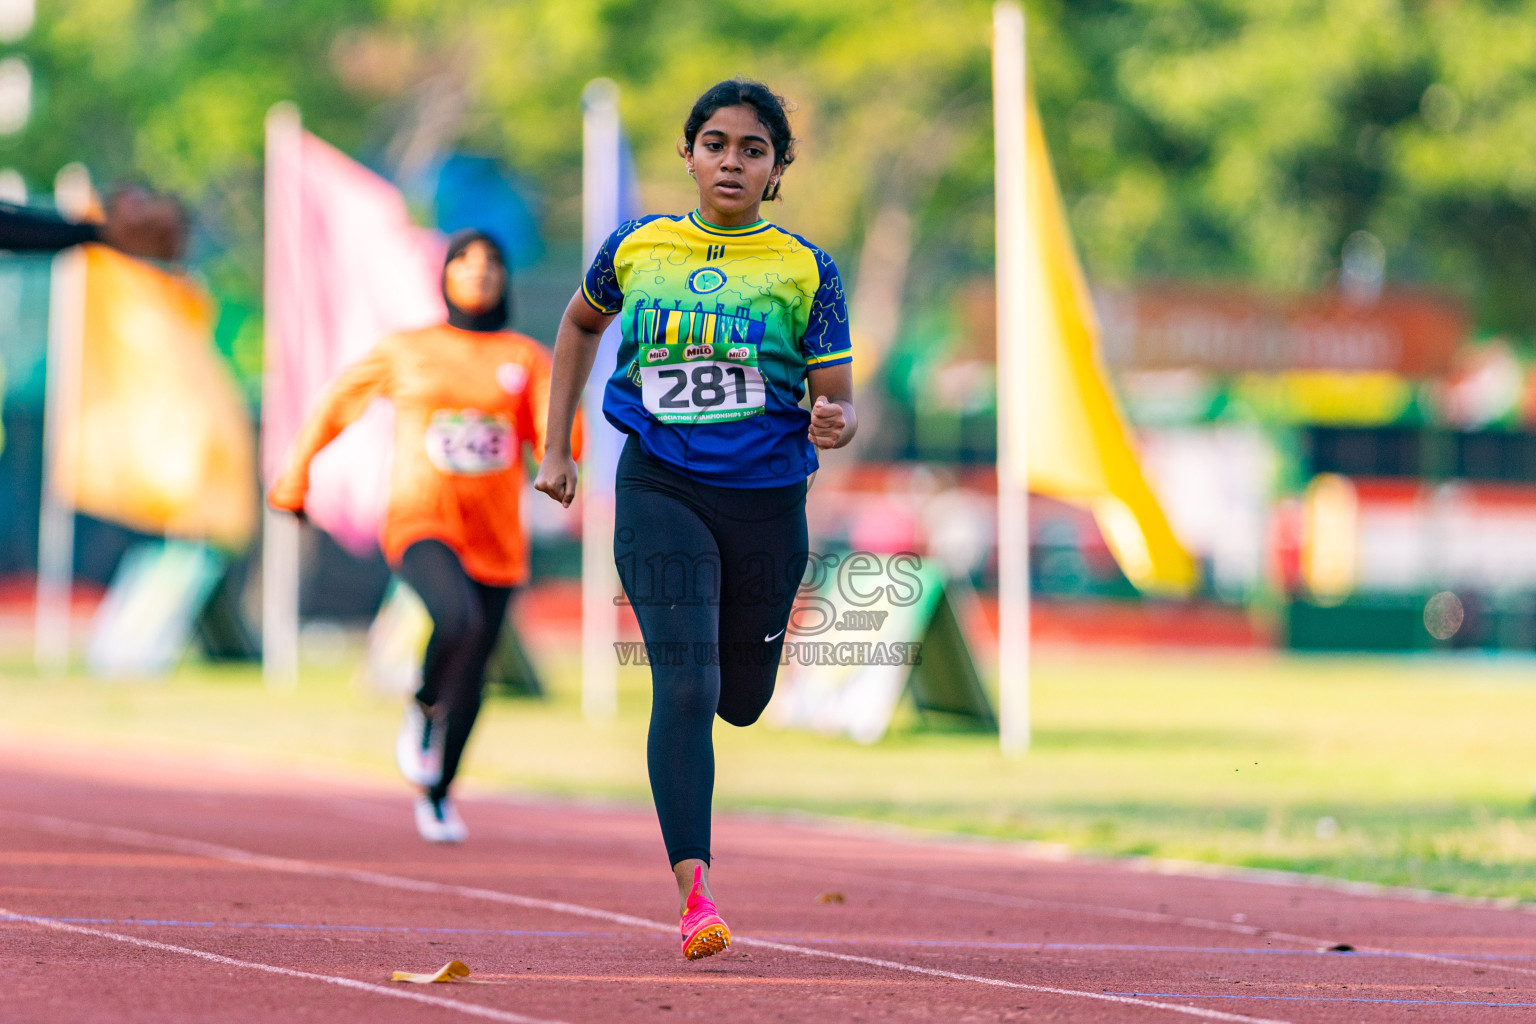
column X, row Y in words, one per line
column 459, row 623
column 744, row 693
column 693, row 692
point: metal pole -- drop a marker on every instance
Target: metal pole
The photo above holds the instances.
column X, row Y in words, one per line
column 61, row 424
column 280, row 531
column 599, row 578
column 1013, row 259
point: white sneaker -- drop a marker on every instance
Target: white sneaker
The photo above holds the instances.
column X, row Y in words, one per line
column 419, row 747
column 438, row 821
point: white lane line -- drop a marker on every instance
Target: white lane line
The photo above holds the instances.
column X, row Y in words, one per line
column 362, row 986
column 1043, row 851
column 1139, row 916
column 1436, row 959
column 287, row 865
column 1156, row 917
column 1189, row 1011
column 1253, row 876
column 1122, row 913
column 214, row 851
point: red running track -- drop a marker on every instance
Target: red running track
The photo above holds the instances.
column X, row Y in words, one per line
column 191, row 893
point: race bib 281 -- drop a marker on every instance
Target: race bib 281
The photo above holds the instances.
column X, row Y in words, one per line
column 701, row 383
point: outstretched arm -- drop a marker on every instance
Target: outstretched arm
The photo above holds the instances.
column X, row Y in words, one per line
column 24, row 230
column 342, row 402
column 139, row 222
column 581, row 331
column 536, row 408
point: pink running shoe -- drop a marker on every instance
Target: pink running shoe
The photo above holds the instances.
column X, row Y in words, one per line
column 704, row 934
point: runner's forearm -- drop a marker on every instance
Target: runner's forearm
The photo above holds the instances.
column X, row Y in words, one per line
column 835, row 384
column 24, row 230
column 343, row 401
column 575, row 351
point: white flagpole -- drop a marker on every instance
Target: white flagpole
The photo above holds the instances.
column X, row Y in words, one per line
column 280, row 531
column 599, row 579
column 1012, row 391
column 56, row 519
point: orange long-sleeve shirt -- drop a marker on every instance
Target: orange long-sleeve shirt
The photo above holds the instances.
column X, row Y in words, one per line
column 465, row 404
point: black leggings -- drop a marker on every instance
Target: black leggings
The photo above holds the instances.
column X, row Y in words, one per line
column 466, row 619
column 712, row 574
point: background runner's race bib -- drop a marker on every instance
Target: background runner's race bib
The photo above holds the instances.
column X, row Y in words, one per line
column 703, row 383
column 467, row 442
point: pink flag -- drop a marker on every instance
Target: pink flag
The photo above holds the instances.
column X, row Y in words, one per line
column 344, row 267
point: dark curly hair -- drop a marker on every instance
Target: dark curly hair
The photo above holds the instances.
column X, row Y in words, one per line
column 744, row 92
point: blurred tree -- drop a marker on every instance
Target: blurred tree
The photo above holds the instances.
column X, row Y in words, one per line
column 890, row 101
column 1242, row 139
column 1251, row 139
column 1466, row 155
column 176, row 93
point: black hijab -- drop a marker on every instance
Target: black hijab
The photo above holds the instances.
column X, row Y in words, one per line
column 497, row 317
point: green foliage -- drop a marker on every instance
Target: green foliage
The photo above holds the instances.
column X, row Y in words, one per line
column 175, row 92
column 1241, row 139
column 881, row 90
column 1250, row 138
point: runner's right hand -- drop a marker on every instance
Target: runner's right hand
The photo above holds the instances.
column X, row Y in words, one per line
column 557, row 478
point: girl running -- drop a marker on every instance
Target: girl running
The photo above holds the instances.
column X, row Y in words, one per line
column 727, row 321
column 467, row 395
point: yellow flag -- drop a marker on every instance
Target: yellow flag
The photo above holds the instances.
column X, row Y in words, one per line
column 159, row 438
column 1078, row 445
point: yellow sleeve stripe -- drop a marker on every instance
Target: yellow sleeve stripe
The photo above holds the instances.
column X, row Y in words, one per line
column 594, row 303
column 846, row 353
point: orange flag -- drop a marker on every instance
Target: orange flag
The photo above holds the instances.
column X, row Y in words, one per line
column 160, row 438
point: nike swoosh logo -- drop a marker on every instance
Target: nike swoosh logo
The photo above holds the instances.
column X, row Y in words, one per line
column 770, row 639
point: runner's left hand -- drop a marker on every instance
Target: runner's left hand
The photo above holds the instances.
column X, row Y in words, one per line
column 827, row 423
column 557, row 478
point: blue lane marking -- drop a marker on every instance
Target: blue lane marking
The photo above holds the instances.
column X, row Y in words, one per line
column 336, row 927
column 931, row 943
column 562, row 934
column 1325, row 999
column 1111, row 948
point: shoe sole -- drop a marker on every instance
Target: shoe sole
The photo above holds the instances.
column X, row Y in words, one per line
column 708, row 941
column 435, row 836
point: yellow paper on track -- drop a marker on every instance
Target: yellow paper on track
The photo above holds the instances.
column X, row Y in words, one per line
column 451, row 971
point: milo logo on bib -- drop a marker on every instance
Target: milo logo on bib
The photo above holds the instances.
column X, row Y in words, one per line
column 699, row 365
column 467, row 442
column 682, row 385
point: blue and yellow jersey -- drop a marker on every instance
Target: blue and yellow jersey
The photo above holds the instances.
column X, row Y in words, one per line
column 718, row 329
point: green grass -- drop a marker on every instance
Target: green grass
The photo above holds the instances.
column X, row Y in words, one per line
column 1425, row 765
